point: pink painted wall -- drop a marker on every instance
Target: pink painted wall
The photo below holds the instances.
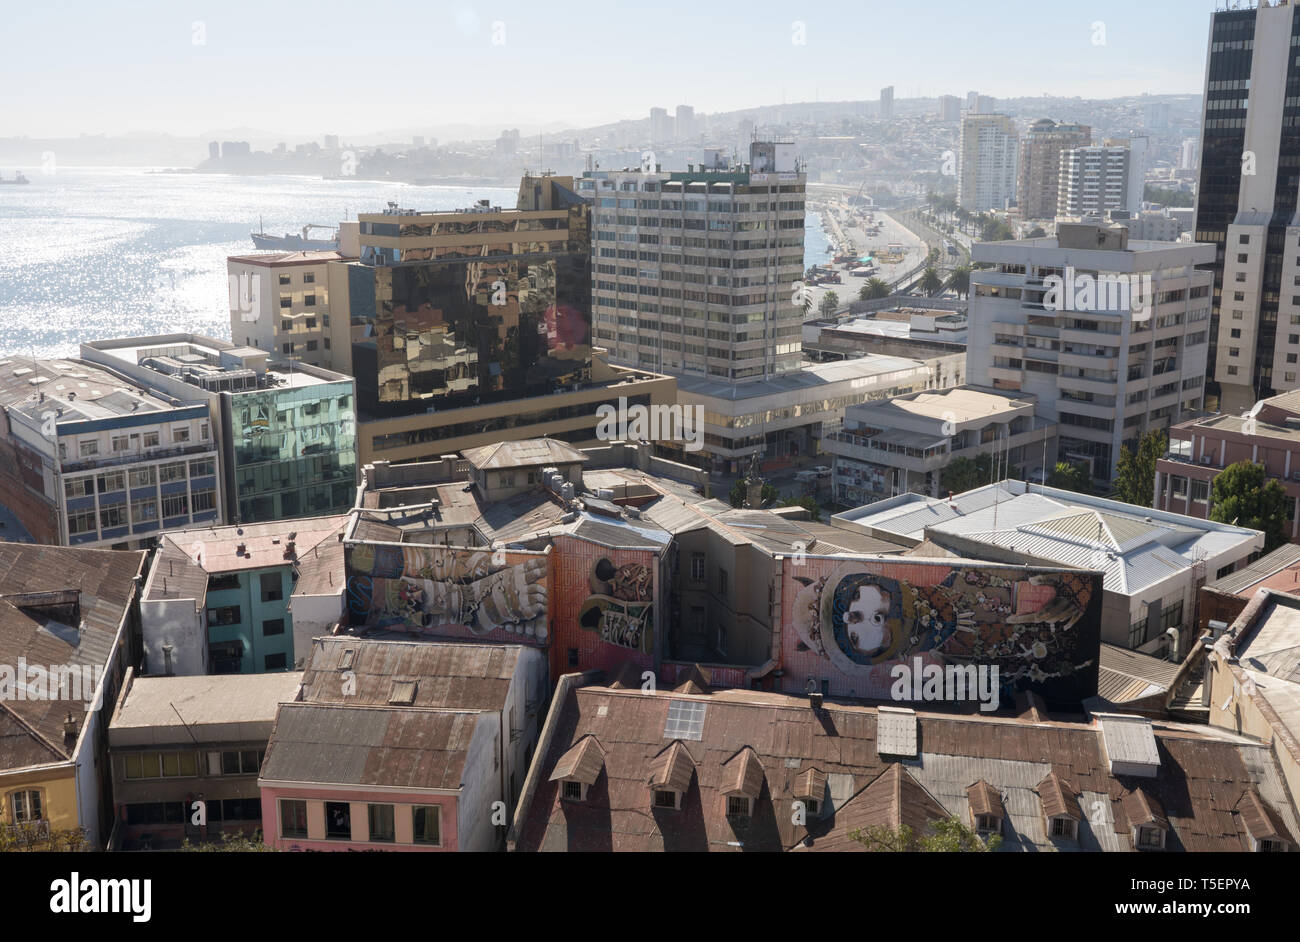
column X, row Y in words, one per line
column 271, row 818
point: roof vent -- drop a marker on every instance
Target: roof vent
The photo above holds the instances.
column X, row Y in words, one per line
column 896, row 732
column 1130, row 744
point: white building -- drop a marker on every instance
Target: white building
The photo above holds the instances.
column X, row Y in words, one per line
column 1103, row 367
column 279, row 302
column 1095, row 180
column 1153, row 561
column 987, row 160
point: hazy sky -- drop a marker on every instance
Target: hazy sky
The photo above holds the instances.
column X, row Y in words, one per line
column 358, row 67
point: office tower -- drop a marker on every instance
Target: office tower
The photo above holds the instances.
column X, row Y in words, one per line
column 474, row 327
column 1247, row 203
column 1138, row 149
column 685, row 122
column 1040, row 165
column 661, row 126
column 887, row 103
column 972, row 99
column 1157, row 116
column 949, row 108
column 986, row 172
column 1189, row 154
column 1094, row 180
column 693, row 270
column 1117, row 350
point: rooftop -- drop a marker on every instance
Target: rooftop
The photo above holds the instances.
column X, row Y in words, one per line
column 1267, row 647
column 1133, row 549
column 203, row 700
column 960, row 404
column 811, row 378
column 74, row 390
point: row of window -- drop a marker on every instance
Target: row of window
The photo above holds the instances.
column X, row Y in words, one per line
column 186, row 764
column 130, row 441
column 426, row 821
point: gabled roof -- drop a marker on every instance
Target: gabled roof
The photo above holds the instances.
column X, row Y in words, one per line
column 1142, row 808
column 1261, row 821
column 672, row 769
column 1058, row 798
column 984, row 799
column 745, row 772
column 582, row 763
column 810, row 784
column 532, row 452
column 893, row 801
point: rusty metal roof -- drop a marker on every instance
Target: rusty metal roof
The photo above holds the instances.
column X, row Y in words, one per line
column 582, row 763
column 984, row 799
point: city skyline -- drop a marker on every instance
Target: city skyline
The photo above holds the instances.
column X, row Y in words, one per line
column 368, row 73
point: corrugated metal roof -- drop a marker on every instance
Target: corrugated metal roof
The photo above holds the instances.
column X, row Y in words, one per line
column 1288, row 554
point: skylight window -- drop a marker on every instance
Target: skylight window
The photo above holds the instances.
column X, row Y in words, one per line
column 685, row 720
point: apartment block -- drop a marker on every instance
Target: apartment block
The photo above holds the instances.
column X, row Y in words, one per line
column 279, row 302
column 1094, row 180
column 97, row 460
column 986, row 167
column 1108, row 333
column 1040, row 165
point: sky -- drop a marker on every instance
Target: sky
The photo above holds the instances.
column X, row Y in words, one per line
column 186, row 67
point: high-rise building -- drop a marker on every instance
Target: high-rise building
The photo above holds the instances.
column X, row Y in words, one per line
column 1111, row 335
column 1190, row 154
column 1094, row 180
column 508, row 142
column 331, row 142
column 661, row 126
column 887, row 103
column 986, row 172
column 1040, row 165
column 685, row 122
column 1156, row 115
column 279, row 302
column 949, row 108
column 474, row 327
column 1247, row 202
column 693, row 271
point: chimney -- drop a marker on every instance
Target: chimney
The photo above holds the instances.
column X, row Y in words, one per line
column 815, row 701
column 70, row 729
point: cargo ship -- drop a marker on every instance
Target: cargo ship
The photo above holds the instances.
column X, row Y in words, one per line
column 298, row 243
column 19, row 178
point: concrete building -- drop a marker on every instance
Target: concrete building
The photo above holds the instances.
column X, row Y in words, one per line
column 185, row 753
column 659, row 242
column 1039, row 172
column 67, row 617
column 403, row 746
column 471, row 328
column 903, row 444
column 1154, row 561
column 1247, row 202
column 1095, row 180
column 693, row 769
column 887, row 103
column 1117, row 352
column 286, row 431
column 685, row 123
column 93, row 459
column 279, row 302
column 949, row 108
column 1155, row 225
column 244, row 599
column 661, row 126
column 986, row 166
column 1200, row 449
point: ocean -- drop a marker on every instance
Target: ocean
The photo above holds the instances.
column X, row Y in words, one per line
column 87, row 253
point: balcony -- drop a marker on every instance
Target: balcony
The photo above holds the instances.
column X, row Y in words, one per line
column 153, row 454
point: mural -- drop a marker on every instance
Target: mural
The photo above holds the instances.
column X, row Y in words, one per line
column 454, row 591
column 854, row 621
column 604, row 606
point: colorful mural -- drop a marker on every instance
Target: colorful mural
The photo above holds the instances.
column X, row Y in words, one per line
column 853, row 621
column 448, row 591
column 604, row 606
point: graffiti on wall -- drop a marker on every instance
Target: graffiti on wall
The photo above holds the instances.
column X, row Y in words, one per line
column 621, row 605
column 862, row 618
column 438, row 589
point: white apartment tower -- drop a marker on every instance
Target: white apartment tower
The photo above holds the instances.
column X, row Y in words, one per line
column 694, row 272
column 986, row 172
column 1093, row 180
column 1105, row 366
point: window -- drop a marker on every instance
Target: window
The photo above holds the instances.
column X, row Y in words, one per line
column 275, row 662
column 288, row 349
column 737, row 806
column 149, row 439
column 144, row 477
column 172, row 472
column 203, row 468
column 25, row 806
column 176, row 505
column 1137, row 632
column 79, row 487
column 308, row 278
column 235, row 762
column 381, row 823
column 1063, row 827
column 273, row 626
column 338, row 820
column 293, row 817
column 205, row 500
column 272, row 587
column 311, row 346
column 180, row 434
column 88, row 448
column 697, row 567
column 108, row 483
column 573, row 791
column 665, row 799
column 121, row 443
column 425, row 820
column 161, row 765
column 722, row 582
column 222, row 583
column 811, row 805
column 1266, row 846
column 203, row 431
column 1150, row 838
column 573, row 657
column 987, row 824
column 224, row 615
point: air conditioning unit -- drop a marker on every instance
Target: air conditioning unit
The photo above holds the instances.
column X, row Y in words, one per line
column 1207, row 460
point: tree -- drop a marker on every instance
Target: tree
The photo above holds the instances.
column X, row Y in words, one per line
column 1155, row 194
column 35, row 836
column 961, row 280
column 966, row 474
column 993, row 229
column 1038, row 232
column 930, row 281
column 739, row 490
column 1135, row 474
column 231, row 843
column 808, row 503
column 1070, row 477
column 830, row 301
column 874, row 289
column 1244, row 495
column 946, row 836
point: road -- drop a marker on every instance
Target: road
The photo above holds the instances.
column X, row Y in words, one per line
column 847, row 223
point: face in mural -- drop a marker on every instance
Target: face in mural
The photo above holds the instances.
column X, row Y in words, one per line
column 863, row 621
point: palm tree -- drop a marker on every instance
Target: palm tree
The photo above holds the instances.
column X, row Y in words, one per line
column 830, row 301
column 874, row 289
column 961, row 280
column 930, row 281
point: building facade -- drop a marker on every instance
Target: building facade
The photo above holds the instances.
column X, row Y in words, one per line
column 986, row 166
column 1118, row 352
column 1039, row 173
column 1094, row 180
column 279, row 302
